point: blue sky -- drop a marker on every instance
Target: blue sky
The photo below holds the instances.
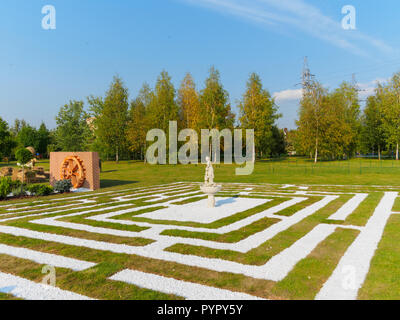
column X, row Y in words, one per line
column 95, row 39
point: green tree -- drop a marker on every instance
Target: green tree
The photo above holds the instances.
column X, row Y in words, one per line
column 372, row 132
column 163, row 107
column 96, row 105
column 23, row 157
column 215, row 109
column 27, row 137
column 43, row 139
column 72, row 131
column 7, row 143
column 214, row 104
column 18, row 125
column 189, row 104
column 390, row 94
column 258, row 111
column 311, row 124
column 278, row 141
column 112, row 123
column 347, row 112
column 137, row 127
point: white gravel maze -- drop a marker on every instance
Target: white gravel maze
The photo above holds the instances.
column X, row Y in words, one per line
column 277, row 268
column 269, row 213
column 241, row 246
column 349, row 207
column 156, row 251
column 356, row 261
column 46, row 258
column 280, row 265
column 29, row 290
column 187, row 290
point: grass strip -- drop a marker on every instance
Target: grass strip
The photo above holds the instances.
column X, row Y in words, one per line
column 309, row 275
column 231, row 237
column 270, row 248
column 216, row 224
column 83, row 234
column 383, row 279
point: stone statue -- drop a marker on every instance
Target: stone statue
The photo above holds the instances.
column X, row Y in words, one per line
column 209, row 187
column 209, row 176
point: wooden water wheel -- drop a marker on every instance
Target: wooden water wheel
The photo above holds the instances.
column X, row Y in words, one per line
column 72, row 169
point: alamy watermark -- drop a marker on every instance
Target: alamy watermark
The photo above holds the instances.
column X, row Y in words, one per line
column 50, row 275
column 349, row 277
column 189, row 152
column 350, row 19
column 49, row 19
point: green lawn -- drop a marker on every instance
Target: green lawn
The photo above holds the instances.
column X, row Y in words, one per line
column 342, row 178
column 286, row 171
column 290, row 171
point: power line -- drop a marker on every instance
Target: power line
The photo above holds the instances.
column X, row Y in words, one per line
column 307, row 78
column 394, row 62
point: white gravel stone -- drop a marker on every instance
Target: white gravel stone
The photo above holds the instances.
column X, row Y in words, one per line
column 350, row 273
column 29, row 290
column 199, row 212
column 46, row 258
column 277, row 268
column 349, row 207
column 280, row 265
column 188, row 290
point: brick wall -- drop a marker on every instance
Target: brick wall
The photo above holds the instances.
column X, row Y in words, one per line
column 90, row 163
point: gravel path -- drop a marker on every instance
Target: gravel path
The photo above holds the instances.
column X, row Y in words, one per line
column 187, row 290
column 46, row 258
column 352, row 269
column 29, row 290
column 349, row 207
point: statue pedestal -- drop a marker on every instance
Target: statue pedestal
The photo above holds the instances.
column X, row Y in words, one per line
column 210, row 190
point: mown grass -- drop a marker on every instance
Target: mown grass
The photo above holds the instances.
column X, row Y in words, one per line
column 361, row 215
column 365, row 210
column 101, row 224
column 289, row 170
column 230, row 237
column 383, row 279
column 190, row 200
column 267, row 250
column 299, row 206
column 213, row 225
column 396, row 206
column 94, row 283
column 136, row 241
column 309, row 274
column 298, row 171
column 6, row 296
column 303, row 282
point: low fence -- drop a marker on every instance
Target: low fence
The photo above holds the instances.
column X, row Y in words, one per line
column 354, row 166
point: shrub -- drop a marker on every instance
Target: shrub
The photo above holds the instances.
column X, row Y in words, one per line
column 63, row 186
column 40, row 189
column 6, row 185
column 18, row 192
column 23, row 156
column 17, row 184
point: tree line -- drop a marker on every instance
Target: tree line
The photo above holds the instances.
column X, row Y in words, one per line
column 116, row 125
column 22, row 135
column 332, row 126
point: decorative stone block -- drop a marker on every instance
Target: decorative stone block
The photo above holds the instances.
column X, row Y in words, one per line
column 82, row 168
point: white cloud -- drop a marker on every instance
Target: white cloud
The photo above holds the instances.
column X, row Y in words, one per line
column 288, row 95
column 298, row 15
column 368, row 88
column 292, row 95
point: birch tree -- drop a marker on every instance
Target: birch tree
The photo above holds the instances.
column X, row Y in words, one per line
column 258, row 111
